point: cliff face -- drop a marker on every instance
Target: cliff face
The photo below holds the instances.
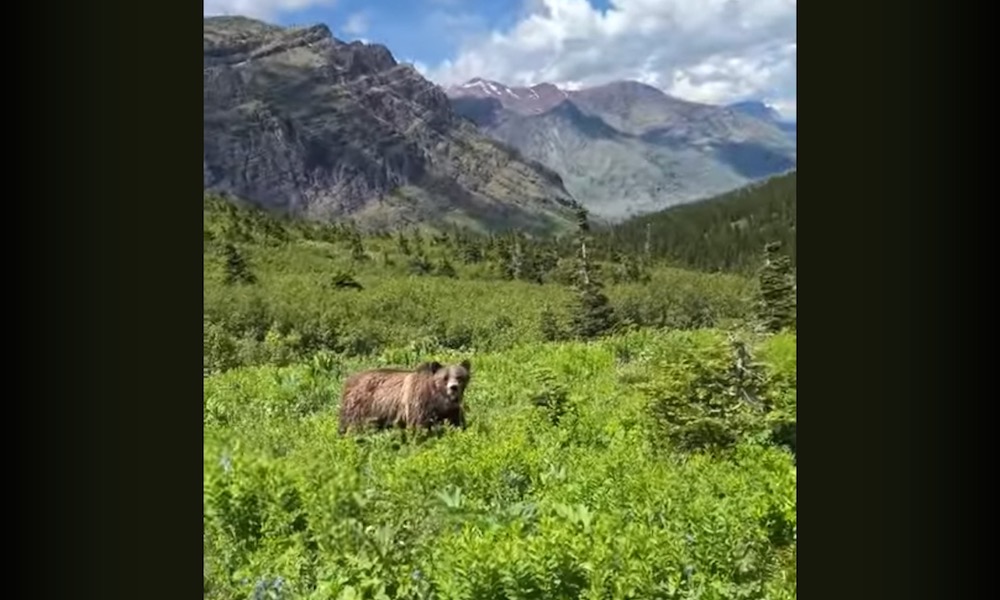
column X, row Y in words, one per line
column 299, row 122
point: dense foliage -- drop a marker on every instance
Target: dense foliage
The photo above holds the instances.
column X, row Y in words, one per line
column 777, row 290
column 725, row 233
column 276, row 292
column 631, row 425
column 565, row 485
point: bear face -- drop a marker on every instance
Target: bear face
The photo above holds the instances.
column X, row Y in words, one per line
column 450, row 380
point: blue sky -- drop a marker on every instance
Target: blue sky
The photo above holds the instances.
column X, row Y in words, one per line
column 715, row 51
column 428, row 31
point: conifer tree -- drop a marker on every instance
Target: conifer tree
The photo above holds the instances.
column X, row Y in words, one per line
column 647, row 249
column 592, row 316
column 515, row 261
column 445, row 269
column 403, row 243
column 420, row 265
column 469, row 251
column 236, row 267
column 357, row 247
column 777, row 289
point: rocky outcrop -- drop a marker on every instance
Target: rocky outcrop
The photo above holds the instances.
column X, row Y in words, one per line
column 300, row 122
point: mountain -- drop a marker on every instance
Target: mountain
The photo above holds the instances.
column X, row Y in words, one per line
column 626, row 148
column 301, row 123
column 761, row 111
column 522, row 100
column 757, row 109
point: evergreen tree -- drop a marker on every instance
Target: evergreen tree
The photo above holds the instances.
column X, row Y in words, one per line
column 236, row 267
column 530, row 269
column 647, row 249
column 445, row 269
column 469, row 251
column 777, row 289
column 550, row 327
column 515, row 260
column 628, row 269
column 592, row 316
column 504, row 261
column 619, row 267
column 418, row 241
column 419, row 265
column 403, row 243
column 522, row 263
column 546, row 260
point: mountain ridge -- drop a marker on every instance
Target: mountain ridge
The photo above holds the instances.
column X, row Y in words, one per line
column 767, row 113
column 299, row 122
column 626, row 147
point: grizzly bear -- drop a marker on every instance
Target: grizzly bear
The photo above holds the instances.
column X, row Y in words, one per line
column 384, row 398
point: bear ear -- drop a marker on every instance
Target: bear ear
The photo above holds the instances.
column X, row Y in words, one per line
column 466, row 364
column 430, row 367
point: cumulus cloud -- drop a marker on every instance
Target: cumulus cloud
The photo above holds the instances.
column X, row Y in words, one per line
column 259, row 9
column 715, row 51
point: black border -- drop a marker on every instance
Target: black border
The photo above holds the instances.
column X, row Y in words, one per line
column 110, row 489
column 886, row 255
column 112, row 222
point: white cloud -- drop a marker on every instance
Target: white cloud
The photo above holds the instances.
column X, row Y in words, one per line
column 356, row 24
column 786, row 108
column 258, row 9
column 705, row 50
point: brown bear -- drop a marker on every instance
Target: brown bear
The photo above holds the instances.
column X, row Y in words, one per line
column 383, row 398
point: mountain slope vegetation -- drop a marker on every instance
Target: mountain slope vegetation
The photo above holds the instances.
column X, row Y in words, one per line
column 654, row 460
column 724, row 233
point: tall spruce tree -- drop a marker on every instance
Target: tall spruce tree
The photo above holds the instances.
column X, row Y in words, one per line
column 592, row 315
column 777, row 305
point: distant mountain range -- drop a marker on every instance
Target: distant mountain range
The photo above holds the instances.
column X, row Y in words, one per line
column 626, row 148
column 761, row 111
column 299, row 122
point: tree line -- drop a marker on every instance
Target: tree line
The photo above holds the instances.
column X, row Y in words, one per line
column 751, row 231
column 725, row 233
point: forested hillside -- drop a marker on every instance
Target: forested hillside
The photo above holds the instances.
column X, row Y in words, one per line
column 724, row 233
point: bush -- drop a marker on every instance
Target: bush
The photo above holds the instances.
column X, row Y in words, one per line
column 709, row 394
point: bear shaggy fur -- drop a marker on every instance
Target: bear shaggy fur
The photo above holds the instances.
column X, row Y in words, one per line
column 384, row 398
